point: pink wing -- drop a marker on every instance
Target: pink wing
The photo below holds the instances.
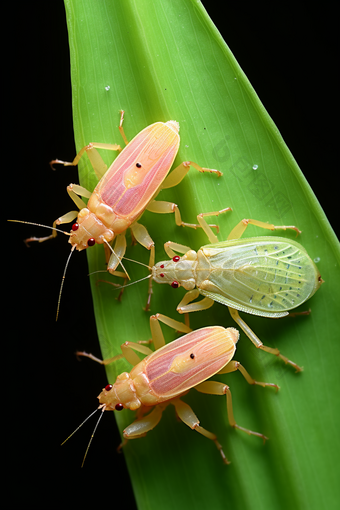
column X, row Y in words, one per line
column 190, row 360
column 128, row 188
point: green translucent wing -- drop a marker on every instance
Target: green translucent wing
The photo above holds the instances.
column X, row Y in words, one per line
column 262, row 275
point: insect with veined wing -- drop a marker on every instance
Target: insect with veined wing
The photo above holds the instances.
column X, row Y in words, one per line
column 264, row 276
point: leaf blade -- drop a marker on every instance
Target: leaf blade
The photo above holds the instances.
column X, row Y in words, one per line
column 238, row 135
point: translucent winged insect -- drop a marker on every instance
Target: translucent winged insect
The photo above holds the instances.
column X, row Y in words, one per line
column 125, row 191
column 266, row 276
column 164, row 376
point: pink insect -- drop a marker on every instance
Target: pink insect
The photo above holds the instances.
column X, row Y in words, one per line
column 164, row 376
column 124, row 192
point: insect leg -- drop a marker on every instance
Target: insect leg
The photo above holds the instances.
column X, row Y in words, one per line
column 180, row 248
column 128, row 353
column 121, row 129
column 142, row 236
column 207, row 228
column 156, row 331
column 162, row 207
column 217, row 388
column 96, row 160
column 187, row 415
column 151, row 264
column 178, row 174
column 236, row 365
column 114, row 258
column 140, row 427
column 98, row 360
column 185, row 305
column 128, row 348
column 66, row 218
column 257, row 342
column 117, row 254
column 237, row 231
column 74, row 190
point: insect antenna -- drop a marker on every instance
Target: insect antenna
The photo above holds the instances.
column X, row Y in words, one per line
column 94, row 430
column 62, row 281
column 137, row 262
column 128, row 284
column 92, row 435
column 130, row 260
column 76, row 430
column 116, row 286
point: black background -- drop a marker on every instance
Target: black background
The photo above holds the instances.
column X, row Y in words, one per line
column 288, row 57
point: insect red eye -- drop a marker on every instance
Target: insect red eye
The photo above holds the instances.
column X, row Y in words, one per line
column 162, row 266
column 176, row 258
column 161, row 275
column 175, row 285
column 108, row 387
column 119, row 407
column 138, row 165
column 91, row 242
column 75, row 227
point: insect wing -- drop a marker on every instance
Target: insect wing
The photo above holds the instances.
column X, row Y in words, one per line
column 138, row 171
column 261, row 275
column 190, row 360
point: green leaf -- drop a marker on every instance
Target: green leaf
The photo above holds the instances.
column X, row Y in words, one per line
column 160, row 61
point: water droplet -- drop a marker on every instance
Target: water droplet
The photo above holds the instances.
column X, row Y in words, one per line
column 316, row 260
column 107, row 87
column 255, row 167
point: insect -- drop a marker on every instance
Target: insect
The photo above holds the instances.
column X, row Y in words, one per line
column 168, row 373
column 266, row 276
column 124, row 192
